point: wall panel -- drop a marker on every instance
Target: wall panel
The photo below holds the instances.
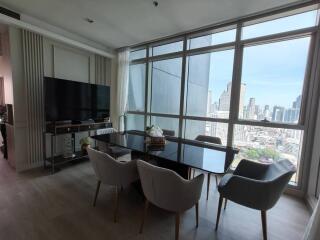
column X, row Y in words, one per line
column 32, row 48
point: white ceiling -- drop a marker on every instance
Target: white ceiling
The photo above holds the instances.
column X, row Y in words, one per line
column 121, row 23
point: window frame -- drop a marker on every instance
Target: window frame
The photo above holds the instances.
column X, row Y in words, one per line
column 308, row 107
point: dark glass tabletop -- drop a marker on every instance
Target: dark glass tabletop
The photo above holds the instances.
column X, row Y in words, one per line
column 207, row 157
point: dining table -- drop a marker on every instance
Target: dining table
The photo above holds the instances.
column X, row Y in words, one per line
column 177, row 154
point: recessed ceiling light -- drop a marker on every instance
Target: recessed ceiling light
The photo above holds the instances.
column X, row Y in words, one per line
column 89, row 20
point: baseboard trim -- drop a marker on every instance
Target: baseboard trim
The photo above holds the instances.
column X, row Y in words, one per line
column 311, row 202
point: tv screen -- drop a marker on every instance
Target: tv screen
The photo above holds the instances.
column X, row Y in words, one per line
column 76, row 101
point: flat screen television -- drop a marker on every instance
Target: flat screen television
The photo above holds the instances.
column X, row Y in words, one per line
column 76, row 101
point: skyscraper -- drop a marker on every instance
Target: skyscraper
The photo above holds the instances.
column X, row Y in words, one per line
column 297, row 103
column 278, row 114
column 225, row 97
column 251, row 110
column 266, row 112
column 241, row 100
column 291, row 115
column 224, row 100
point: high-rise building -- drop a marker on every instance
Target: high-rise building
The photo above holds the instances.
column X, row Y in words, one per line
column 278, row 114
column 241, row 100
column 297, row 103
column 291, row 115
column 224, row 100
column 214, row 107
column 266, row 112
column 251, row 109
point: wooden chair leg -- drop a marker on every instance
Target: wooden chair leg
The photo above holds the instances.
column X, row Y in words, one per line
column 219, row 211
column 225, row 203
column 194, row 173
column 189, row 173
column 208, row 185
column 177, row 225
column 115, row 213
column 264, row 224
column 197, row 214
column 97, row 192
column 144, row 215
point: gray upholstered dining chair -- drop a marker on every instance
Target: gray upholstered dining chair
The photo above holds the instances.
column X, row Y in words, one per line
column 256, row 185
column 112, row 172
column 214, row 140
column 167, row 190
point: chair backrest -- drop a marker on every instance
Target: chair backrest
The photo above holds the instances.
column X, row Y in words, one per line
column 110, row 171
column 277, row 178
column 209, row 139
column 170, row 133
column 166, row 189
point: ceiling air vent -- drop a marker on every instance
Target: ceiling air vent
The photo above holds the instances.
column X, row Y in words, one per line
column 9, row 13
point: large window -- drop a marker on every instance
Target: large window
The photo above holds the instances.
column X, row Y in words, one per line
column 208, row 86
column 218, row 37
column 135, row 122
column 165, row 86
column 194, row 128
column 165, row 123
column 247, row 83
column 279, row 25
column 166, row 48
column 136, row 88
column 265, row 144
column 273, row 75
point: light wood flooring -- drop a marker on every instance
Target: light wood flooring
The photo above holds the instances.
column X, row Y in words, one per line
column 39, row 206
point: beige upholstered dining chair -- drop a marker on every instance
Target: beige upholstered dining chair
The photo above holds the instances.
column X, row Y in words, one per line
column 167, row 190
column 112, row 172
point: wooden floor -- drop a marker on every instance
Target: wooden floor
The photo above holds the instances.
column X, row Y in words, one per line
column 37, row 205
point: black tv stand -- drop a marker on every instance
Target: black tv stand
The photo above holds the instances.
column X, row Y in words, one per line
column 54, row 130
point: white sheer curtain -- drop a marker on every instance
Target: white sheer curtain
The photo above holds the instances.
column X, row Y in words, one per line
column 313, row 229
column 122, row 86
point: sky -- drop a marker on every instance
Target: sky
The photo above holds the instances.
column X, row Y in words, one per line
column 274, row 72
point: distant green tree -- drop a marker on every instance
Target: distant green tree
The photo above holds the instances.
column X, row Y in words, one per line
column 258, row 153
column 252, row 153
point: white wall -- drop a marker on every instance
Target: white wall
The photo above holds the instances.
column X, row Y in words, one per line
column 15, row 94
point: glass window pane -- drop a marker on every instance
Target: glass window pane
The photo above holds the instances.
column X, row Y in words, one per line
column 208, row 88
column 166, row 123
column 167, row 48
column 138, row 54
column 284, row 24
column 135, row 122
column 136, row 88
column 193, row 128
column 212, row 39
column 272, row 79
column 165, row 86
column 264, row 144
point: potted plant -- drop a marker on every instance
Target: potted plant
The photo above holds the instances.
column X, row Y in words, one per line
column 85, row 142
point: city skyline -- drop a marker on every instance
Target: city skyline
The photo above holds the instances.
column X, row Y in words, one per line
column 251, row 110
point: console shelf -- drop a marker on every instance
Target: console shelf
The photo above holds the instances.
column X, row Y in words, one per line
column 60, row 129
